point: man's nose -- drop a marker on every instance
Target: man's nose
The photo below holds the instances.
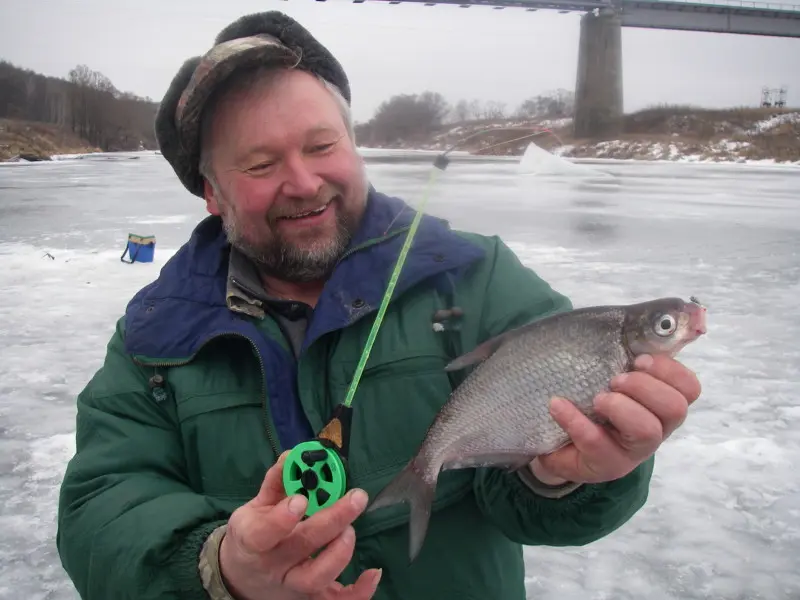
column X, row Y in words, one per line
column 300, row 180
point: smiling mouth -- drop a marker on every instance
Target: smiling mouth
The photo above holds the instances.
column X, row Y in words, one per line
column 309, row 213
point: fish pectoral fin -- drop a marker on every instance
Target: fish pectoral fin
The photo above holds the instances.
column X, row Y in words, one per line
column 478, row 354
column 500, row 460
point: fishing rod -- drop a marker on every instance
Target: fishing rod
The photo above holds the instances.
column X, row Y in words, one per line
column 317, row 468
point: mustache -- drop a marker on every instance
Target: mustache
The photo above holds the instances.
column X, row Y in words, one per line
column 292, row 208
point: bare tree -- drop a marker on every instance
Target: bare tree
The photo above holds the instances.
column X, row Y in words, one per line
column 87, row 102
column 494, row 110
column 467, row 110
column 404, row 116
column 551, row 105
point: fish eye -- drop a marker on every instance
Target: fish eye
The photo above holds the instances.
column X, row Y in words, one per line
column 665, row 325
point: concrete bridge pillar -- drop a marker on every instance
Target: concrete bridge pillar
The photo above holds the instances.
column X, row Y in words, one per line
column 598, row 90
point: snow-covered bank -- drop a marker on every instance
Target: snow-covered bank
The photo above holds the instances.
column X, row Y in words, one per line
column 675, row 134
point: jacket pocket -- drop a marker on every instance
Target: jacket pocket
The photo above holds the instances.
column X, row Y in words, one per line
column 224, row 433
column 398, row 397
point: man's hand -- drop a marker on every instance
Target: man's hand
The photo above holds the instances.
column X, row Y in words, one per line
column 267, row 549
column 643, row 408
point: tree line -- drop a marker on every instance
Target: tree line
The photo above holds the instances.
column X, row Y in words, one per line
column 406, row 117
column 86, row 102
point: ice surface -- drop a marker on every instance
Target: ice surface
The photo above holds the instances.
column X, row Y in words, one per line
column 56, row 315
column 722, row 520
column 723, row 517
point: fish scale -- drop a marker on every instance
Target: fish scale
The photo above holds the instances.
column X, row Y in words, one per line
column 518, row 419
column 499, row 415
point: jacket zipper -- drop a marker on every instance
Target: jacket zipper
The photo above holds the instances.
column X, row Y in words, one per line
column 264, row 403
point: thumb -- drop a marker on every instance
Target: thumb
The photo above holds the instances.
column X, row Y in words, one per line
column 271, row 491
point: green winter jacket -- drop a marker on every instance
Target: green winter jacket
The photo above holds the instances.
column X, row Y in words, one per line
column 194, row 403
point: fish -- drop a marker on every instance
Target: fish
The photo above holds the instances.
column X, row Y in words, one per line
column 499, row 415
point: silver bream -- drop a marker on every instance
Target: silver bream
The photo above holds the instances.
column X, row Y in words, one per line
column 499, row 416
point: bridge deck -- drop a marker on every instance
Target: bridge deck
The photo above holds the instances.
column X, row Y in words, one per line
column 686, row 15
column 532, row 5
column 728, row 7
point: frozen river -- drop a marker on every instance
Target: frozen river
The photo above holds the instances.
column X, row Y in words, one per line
column 723, row 518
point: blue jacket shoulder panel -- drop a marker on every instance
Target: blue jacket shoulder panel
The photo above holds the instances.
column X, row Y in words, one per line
column 170, row 319
column 173, row 316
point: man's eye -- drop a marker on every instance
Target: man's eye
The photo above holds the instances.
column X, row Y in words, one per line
column 259, row 167
column 322, row 147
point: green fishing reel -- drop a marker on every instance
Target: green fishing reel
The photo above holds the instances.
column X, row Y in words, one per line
column 317, row 472
column 317, row 468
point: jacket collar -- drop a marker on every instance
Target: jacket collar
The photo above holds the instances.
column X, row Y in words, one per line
column 185, row 306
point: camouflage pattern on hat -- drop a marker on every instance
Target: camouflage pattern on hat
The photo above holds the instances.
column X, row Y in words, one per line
column 253, row 40
column 213, row 69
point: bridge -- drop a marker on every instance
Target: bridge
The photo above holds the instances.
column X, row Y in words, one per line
column 598, row 90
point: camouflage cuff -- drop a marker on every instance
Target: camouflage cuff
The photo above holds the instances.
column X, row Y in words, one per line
column 544, row 490
column 210, row 574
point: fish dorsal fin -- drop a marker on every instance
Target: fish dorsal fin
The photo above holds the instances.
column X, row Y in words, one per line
column 480, row 353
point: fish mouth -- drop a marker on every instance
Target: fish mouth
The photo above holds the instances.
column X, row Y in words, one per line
column 697, row 317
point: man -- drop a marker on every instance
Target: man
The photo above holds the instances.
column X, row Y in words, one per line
column 250, row 336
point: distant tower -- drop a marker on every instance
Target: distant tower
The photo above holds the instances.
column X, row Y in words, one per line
column 781, row 101
column 773, row 96
column 766, row 96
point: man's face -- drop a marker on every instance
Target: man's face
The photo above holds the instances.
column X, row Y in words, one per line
column 292, row 187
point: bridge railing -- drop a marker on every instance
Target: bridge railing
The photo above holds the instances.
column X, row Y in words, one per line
column 732, row 3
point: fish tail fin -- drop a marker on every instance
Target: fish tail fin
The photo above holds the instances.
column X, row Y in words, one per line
column 411, row 485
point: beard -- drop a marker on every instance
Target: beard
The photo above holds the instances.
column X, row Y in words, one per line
column 281, row 258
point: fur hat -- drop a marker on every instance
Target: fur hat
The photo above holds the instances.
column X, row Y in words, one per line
column 258, row 39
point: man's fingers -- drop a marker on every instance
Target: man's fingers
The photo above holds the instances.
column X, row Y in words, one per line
column 667, row 403
column 671, row 372
column 588, row 437
column 262, row 532
column 315, row 574
column 588, row 440
column 363, row 589
column 636, row 428
column 321, row 528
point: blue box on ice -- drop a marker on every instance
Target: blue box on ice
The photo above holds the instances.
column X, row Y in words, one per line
column 141, row 248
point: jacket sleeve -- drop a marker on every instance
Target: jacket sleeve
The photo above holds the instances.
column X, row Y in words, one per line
column 129, row 524
column 526, row 512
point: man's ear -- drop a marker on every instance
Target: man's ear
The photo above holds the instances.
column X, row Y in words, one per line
column 212, row 205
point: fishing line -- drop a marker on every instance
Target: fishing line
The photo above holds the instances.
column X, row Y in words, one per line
column 440, row 164
column 453, row 147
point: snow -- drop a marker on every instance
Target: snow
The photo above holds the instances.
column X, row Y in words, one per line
column 710, row 152
column 722, row 520
column 55, row 318
column 774, row 122
column 555, row 123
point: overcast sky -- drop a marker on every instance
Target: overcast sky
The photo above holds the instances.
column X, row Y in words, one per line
column 503, row 55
